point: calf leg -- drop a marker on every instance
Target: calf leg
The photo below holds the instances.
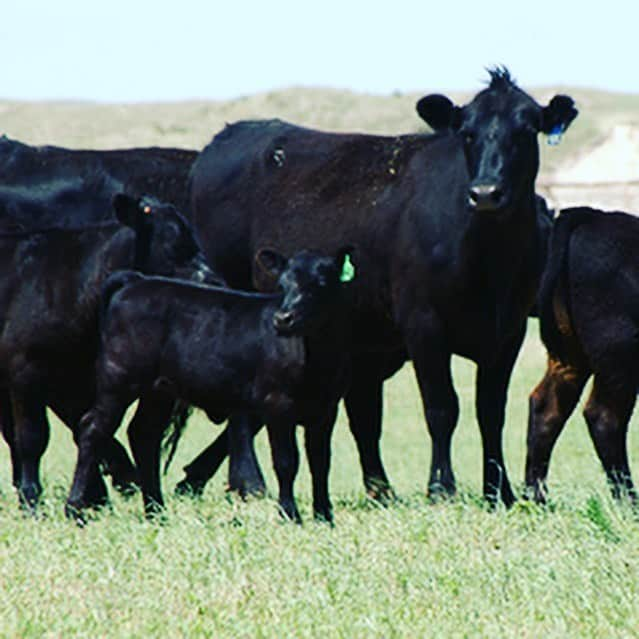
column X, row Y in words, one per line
column 607, row 412
column 94, row 432
column 286, row 461
column 490, row 401
column 550, row 405
column 317, row 438
column 145, row 432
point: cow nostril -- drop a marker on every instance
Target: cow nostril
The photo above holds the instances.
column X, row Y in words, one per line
column 484, row 196
column 284, row 318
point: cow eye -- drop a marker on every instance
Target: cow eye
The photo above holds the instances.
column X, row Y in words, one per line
column 468, row 136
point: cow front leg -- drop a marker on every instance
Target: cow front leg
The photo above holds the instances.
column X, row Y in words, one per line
column 431, row 358
column 490, row 403
column 286, row 461
column 550, row 405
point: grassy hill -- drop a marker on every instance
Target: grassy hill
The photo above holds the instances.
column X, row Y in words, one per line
column 192, row 124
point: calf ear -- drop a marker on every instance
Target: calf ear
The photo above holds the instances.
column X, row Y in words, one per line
column 439, row 112
column 270, row 262
column 557, row 116
column 129, row 210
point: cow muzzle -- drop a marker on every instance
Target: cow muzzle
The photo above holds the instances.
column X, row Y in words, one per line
column 486, row 197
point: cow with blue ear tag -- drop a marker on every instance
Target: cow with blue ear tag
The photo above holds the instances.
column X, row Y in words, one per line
column 447, row 234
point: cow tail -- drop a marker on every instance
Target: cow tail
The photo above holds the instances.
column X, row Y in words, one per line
column 555, row 317
column 179, row 417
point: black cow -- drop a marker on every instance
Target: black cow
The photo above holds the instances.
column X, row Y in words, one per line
column 49, row 186
column 589, row 320
column 159, row 172
column 279, row 357
column 49, row 300
column 445, row 226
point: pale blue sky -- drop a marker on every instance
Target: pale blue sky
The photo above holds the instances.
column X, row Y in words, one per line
column 118, row 50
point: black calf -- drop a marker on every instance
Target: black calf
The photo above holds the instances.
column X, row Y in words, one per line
column 279, row 358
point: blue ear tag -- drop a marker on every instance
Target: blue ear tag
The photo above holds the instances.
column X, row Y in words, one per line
column 348, row 270
column 554, row 137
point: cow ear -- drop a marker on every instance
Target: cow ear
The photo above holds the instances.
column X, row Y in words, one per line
column 557, row 116
column 270, row 262
column 439, row 112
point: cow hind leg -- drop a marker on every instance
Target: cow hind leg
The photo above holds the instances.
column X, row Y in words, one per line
column 8, row 432
column 607, row 413
column 31, row 439
column 550, row 405
column 441, row 408
column 364, row 406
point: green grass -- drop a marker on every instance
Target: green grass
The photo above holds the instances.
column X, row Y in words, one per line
column 222, row 568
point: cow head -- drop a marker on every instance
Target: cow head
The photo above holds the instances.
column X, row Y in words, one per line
column 498, row 130
column 311, row 285
column 165, row 243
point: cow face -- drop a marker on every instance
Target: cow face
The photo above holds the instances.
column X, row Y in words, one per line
column 498, row 131
column 165, row 243
column 312, row 287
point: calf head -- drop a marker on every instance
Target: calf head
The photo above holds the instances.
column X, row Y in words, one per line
column 311, row 285
column 498, row 130
column 165, row 243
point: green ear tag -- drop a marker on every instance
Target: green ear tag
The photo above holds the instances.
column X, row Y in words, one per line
column 348, row 270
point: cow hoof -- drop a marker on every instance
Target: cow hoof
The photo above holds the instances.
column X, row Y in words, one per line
column 75, row 513
column 247, row 488
column 190, row 487
column 381, row 492
column 438, row 492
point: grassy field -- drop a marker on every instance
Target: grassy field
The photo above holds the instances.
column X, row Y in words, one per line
column 220, row 567
column 223, row 568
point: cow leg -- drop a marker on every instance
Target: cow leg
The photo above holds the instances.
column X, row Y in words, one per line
column 607, row 412
column 204, row 466
column 97, row 427
column 550, row 405
column 317, row 439
column 8, row 432
column 490, row 403
column 431, row 361
column 364, row 407
column 31, row 439
column 286, row 461
column 145, row 433
column 245, row 475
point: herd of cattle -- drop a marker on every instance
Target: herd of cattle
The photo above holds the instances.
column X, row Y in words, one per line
column 282, row 269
